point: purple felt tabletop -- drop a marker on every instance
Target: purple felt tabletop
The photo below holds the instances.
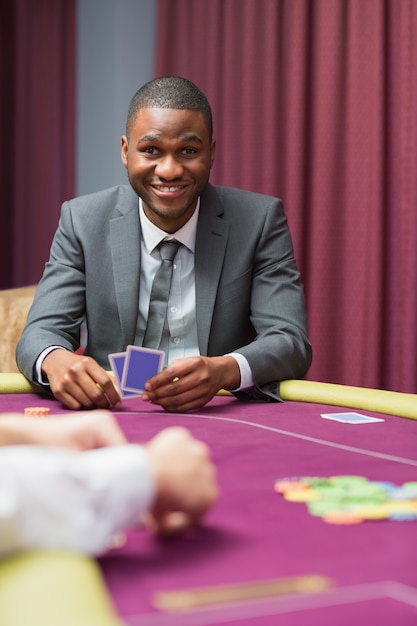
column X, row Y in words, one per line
column 254, row 534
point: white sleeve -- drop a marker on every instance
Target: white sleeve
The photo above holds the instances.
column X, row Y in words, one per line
column 59, row 499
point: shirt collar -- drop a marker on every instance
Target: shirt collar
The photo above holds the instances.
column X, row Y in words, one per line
column 152, row 235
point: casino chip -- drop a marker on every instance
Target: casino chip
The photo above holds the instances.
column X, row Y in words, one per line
column 37, row 410
column 351, row 499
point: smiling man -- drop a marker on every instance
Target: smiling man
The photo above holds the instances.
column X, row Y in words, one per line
column 235, row 317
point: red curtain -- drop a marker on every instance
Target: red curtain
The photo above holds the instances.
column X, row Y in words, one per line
column 315, row 101
column 37, row 117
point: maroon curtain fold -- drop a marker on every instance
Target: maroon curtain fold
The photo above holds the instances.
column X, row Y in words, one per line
column 37, row 116
column 315, row 101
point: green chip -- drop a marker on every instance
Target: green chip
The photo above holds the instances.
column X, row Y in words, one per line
column 315, row 481
column 348, row 480
column 368, row 491
column 411, row 484
column 318, row 508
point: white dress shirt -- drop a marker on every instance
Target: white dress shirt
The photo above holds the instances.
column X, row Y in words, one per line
column 77, row 501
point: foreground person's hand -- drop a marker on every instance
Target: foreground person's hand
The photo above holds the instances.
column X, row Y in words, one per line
column 186, row 485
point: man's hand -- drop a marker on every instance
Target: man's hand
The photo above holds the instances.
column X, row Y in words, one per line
column 190, row 383
column 78, row 381
column 78, row 431
column 186, row 485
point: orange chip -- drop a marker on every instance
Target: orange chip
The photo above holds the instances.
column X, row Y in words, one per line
column 281, row 486
column 342, row 517
column 37, row 410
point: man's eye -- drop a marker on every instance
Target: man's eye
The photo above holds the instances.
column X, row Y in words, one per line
column 150, row 150
column 190, row 151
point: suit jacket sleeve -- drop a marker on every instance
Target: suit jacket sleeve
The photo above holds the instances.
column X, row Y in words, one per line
column 92, row 275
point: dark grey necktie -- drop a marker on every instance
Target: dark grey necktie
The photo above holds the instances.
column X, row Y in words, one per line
column 159, row 295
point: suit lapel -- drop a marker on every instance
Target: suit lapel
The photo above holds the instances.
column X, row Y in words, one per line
column 125, row 252
column 211, row 241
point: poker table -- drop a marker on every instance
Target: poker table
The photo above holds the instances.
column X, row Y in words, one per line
column 258, row 558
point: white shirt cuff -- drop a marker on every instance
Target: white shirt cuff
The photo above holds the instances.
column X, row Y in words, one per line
column 38, row 365
column 246, row 378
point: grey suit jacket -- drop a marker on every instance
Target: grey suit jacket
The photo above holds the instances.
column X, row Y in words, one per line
column 249, row 297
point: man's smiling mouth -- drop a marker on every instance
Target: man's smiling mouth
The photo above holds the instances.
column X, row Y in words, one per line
column 168, row 188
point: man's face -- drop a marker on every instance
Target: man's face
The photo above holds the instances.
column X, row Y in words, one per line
column 168, row 156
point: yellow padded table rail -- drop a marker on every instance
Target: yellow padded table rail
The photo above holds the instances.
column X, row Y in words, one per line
column 53, row 589
column 17, row 383
column 377, row 400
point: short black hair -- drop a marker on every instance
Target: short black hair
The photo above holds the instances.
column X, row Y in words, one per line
column 170, row 92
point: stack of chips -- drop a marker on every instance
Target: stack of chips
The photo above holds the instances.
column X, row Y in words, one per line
column 352, row 499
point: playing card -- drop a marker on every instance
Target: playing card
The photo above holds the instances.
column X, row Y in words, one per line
column 140, row 365
column 351, row 418
column 117, row 362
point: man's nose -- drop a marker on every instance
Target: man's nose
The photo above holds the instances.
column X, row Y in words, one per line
column 168, row 168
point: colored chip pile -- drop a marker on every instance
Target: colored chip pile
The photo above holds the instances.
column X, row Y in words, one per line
column 352, row 499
